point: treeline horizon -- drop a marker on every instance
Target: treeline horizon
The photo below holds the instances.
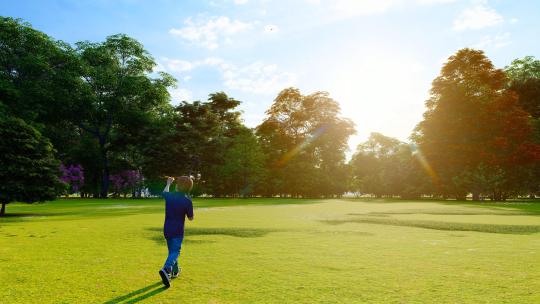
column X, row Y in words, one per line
column 101, row 113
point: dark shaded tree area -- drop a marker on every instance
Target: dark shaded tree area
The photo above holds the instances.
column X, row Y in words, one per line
column 29, row 170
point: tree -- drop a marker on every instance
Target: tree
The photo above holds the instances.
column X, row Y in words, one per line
column 117, row 92
column 127, row 181
column 385, row 166
column 524, row 79
column 37, row 73
column 369, row 162
column 474, row 126
column 73, row 177
column 305, row 141
column 192, row 139
column 243, row 165
column 29, row 170
column 39, row 77
column 223, row 124
column 524, row 75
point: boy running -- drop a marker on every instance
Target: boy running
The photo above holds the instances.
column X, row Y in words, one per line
column 178, row 205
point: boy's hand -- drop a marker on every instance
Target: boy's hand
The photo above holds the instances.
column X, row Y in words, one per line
column 170, row 180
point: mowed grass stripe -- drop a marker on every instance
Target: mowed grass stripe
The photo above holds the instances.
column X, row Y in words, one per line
column 437, row 225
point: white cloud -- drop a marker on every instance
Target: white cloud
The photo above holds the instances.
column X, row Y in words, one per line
column 257, row 77
column 175, row 65
column 180, row 66
column 240, row 2
column 179, row 95
column 478, row 16
column 210, row 33
column 497, row 41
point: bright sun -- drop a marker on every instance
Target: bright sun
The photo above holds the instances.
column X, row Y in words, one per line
column 380, row 94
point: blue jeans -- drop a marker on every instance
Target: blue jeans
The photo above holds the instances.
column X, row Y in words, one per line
column 174, row 245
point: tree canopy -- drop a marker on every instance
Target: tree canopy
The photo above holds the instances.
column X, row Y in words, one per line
column 117, row 93
column 305, row 141
column 474, row 129
column 29, row 170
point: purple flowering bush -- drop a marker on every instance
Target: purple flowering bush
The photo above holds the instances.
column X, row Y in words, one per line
column 73, row 177
column 127, row 181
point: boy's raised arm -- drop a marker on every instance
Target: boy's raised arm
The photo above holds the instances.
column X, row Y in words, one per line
column 169, row 182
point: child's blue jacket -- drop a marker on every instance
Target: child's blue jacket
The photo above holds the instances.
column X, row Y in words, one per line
column 177, row 206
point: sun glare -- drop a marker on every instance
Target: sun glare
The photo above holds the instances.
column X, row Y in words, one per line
column 380, row 94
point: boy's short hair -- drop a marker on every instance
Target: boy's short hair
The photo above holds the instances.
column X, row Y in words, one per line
column 184, row 184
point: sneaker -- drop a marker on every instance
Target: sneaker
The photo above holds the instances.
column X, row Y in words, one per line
column 176, row 272
column 165, row 277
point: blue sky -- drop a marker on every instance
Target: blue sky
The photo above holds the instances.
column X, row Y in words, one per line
column 376, row 57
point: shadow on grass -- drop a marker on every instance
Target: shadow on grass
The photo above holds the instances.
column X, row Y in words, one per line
column 522, row 206
column 530, row 206
column 161, row 240
column 446, row 212
column 447, row 226
column 194, row 231
column 236, row 232
column 139, row 294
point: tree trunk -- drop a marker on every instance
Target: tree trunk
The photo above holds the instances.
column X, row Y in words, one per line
column 3, row 210
column 476, row 196
column 105, row 178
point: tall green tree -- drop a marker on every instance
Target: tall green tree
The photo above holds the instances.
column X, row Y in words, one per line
column 305, row 140
column 118, row 91
column 192, row 139
column 243, row 165
column 29, row 170
column 225, row 119
column 524, row 79
column 38, row 75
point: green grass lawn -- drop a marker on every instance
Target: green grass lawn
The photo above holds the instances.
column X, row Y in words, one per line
column 273, row 251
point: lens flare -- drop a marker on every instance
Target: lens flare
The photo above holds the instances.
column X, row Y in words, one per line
column 289, row 155
column 424, row 163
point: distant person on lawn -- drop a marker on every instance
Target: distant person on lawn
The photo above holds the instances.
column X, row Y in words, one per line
column 178, row 205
